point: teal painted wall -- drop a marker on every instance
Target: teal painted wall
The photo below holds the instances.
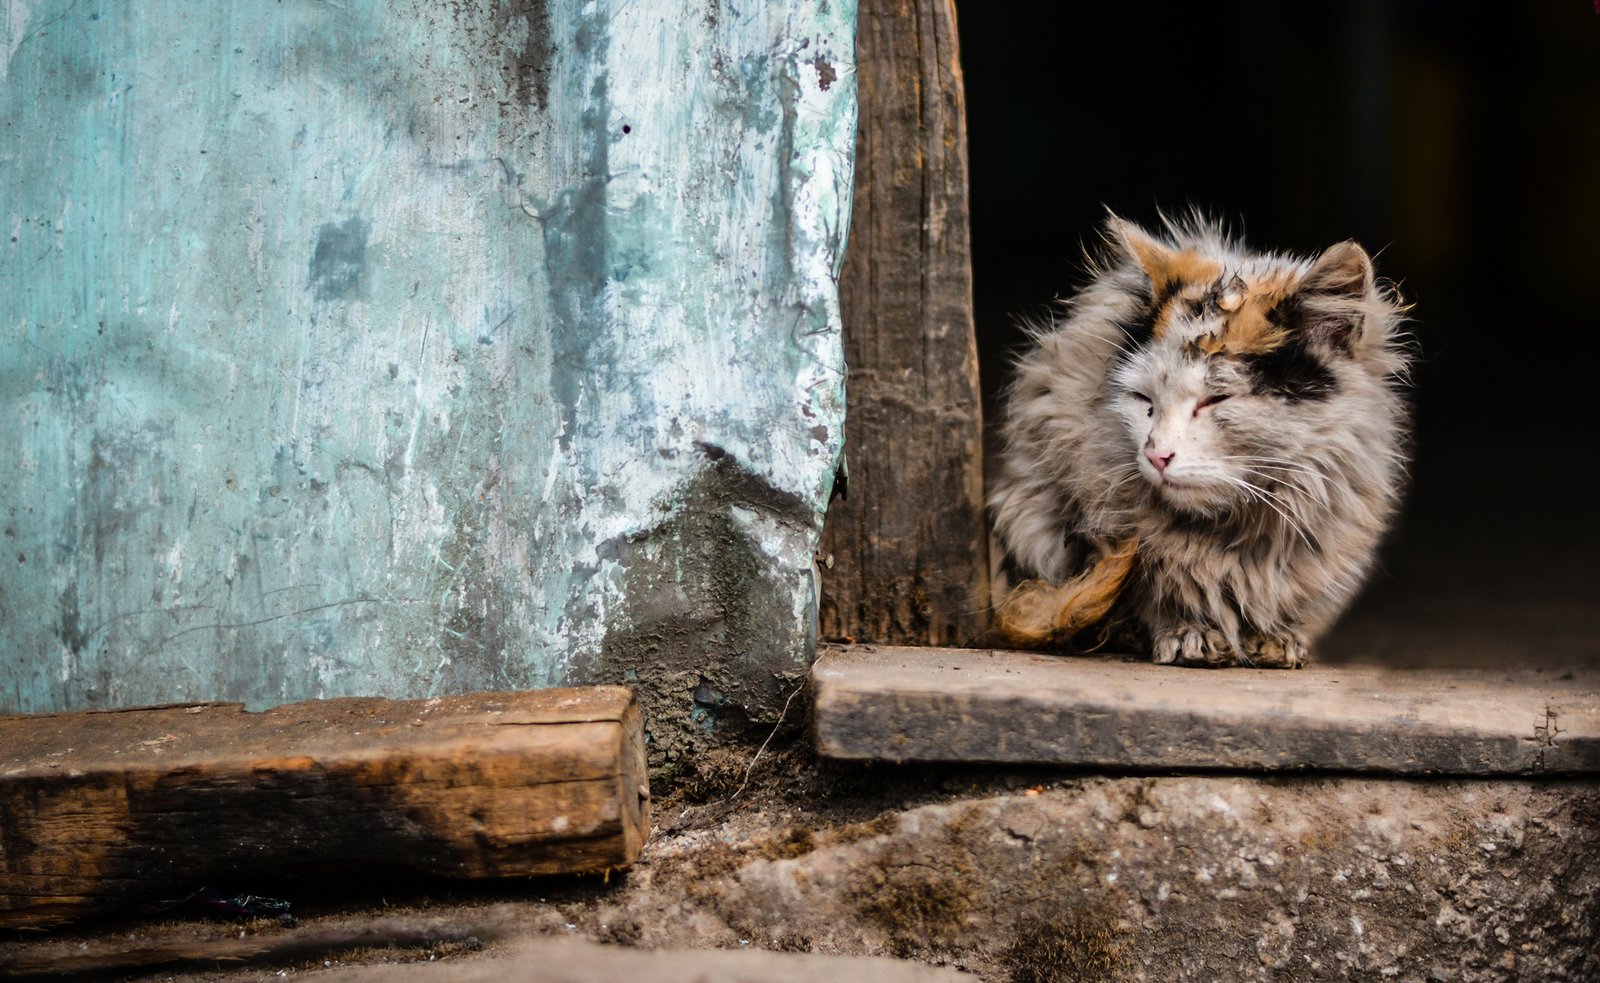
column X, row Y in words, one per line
column 399, row 347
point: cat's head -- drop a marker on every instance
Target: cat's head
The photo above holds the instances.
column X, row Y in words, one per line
column 1239, row 371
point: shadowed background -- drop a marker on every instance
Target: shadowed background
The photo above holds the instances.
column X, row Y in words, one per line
column 1458, row 141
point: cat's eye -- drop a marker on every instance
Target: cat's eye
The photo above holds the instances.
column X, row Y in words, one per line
column 1150, row 407
column 1211, row 400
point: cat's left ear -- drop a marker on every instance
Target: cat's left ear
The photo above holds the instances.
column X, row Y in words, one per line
column 1333, row 293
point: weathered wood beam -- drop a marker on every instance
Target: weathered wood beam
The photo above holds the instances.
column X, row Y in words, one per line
column 904, row 704
column 905, row 553
column 103, row 808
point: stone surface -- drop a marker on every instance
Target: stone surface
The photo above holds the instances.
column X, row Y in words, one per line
column 1205, row 879
column 516, row 950
column 403, row 348
column 905, row 704
column 576, row 961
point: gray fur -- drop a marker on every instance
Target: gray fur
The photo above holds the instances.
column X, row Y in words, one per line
column 1265, row 522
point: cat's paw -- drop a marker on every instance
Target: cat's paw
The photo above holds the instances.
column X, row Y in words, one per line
column 1284, row 650
column 1192, row 645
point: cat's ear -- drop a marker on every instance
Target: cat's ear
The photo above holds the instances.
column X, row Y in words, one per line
column 1153, row 257
column 1332, row 293
column 1343, row 270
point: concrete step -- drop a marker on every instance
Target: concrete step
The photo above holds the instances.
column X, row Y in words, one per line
column 938, row 704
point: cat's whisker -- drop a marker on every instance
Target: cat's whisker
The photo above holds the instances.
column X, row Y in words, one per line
column 1275, row 463
column 1293, row 504
column 1311, row 474
column 1290, row 483
column 1272, row 502
column 1308, row 483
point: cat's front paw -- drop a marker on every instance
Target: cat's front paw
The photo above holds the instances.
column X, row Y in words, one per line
column 1283, row 650
column 1192, row 645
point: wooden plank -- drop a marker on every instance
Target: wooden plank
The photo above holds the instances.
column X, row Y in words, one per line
column 905, row 704
column 907, row 544
column 102, row 808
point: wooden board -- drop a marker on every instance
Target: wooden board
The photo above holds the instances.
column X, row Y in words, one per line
column 907, row 704
column 103, row 808
column 905, row 553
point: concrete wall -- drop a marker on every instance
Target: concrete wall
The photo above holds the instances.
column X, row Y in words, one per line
column 400, row 347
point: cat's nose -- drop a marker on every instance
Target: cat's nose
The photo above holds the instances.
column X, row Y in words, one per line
column 1159, row 459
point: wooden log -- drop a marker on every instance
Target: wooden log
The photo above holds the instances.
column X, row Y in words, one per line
column 907, row 546
column 103, row 808
column 904, row 704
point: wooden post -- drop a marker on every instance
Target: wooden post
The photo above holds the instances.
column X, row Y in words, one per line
column 908, row 551
column 101, row 809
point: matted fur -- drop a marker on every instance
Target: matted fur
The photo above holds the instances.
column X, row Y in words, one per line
column 1234, row 419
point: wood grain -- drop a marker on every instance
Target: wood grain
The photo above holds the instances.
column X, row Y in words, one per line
column 905, row 704
column 102, row 808
column 907, row 546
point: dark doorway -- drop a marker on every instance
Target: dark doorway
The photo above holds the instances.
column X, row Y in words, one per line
column 1459, row 140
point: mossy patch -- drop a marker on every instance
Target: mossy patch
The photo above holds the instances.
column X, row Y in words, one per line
column 711, row 775
column 885, row 824
column 797, row 841
column 1076, row 944
column 920, row 899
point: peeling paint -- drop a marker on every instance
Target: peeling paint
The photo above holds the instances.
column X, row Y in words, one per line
column 338, row 260
column 376, row 348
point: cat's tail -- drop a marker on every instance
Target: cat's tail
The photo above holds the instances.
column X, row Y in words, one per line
column 1041, row 615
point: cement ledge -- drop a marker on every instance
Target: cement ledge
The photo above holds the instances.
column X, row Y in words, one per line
column 944, row 705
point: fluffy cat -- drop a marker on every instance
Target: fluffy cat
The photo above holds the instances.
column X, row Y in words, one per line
column 1207, row 443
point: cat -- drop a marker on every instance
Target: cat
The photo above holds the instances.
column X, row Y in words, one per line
column 1205, row 445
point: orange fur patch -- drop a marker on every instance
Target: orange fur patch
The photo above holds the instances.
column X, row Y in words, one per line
column 1039, row 615
column 1189, row 267
column 1170, row 273
column 1247, row 329
column 1187, row 275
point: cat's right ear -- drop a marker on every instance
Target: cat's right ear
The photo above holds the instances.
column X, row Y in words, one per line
column 1152, row 256
column 1333, row 290
column 1344, row 270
